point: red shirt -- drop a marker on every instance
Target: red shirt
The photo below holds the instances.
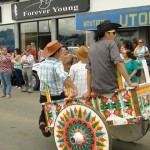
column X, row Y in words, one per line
column 32, row 52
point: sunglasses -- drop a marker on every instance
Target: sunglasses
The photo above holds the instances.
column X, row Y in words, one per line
column 112, row 32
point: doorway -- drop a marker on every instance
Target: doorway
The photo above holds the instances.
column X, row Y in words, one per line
column 43, row 40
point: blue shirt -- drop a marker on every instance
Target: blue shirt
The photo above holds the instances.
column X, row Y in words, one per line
column 51, row 72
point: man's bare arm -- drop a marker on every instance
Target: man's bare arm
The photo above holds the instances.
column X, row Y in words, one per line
column 69, row 83
column 89, row 89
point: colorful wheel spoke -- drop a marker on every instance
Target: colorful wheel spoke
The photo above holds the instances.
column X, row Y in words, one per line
column 78, row 127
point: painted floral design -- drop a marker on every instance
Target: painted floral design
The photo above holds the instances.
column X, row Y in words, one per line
column 77, row 119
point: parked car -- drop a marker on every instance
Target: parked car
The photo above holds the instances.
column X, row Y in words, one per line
column 35, row 78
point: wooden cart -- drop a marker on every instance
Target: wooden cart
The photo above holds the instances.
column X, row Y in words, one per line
column 91, row 124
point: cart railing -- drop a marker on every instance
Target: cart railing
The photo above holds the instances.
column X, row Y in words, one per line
column 126, row 106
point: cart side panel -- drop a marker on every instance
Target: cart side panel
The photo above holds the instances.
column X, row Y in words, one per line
column 119, row 108
column 144, row 101
column 51, row 112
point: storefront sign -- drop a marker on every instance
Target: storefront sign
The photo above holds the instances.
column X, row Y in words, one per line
column 45, row 8
column 128, row 17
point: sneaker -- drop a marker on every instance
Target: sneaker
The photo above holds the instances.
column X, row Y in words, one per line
column 8, row 96
column 2, row 96
column 16, row 87
column 29, row 91
column 19, row 88
column 42, row 126
column 24, row 90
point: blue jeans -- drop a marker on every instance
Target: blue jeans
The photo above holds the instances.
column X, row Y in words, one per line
column 6, row 83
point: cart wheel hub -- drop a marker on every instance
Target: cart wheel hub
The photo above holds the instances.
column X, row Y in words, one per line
column 78, row 138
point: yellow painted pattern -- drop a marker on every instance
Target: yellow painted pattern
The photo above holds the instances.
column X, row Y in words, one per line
column 132, row 104
column 119, row 98
column 68, row 91
column 48, row 97
column 46, row 115
column 143, row 90
column 119, row 78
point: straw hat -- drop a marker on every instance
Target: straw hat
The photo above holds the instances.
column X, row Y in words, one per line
column 51, row 48
column 82, row 54
column 106, row 26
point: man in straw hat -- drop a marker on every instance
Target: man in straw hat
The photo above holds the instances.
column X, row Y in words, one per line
column 104, row 57
column 78, row 72
column 51, row 72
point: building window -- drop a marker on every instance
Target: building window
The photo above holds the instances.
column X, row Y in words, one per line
column 7, row 37
column 44, row 35
column 44, row 27
column 29, row 35
column 37, row 34
column 67, row 33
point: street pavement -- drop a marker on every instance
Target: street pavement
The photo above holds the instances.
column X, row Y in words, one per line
column 19, row 126
column 19, row 123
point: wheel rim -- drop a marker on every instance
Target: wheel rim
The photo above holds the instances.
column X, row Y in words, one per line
column 129, row 133
column 78, row 127
column 33, row 81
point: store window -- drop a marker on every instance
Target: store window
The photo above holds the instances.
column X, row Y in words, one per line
column 127, row 34
column 29, row 35
column 37, row 34
column 44, row 36
column 67, row 33
column 7, row 37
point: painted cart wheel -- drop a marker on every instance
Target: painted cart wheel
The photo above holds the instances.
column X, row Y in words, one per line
column 79, row 127
column 129, row 133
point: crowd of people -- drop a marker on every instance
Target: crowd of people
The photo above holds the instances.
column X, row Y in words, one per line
column 21, row 64
column 89, row 70
column 133, row 53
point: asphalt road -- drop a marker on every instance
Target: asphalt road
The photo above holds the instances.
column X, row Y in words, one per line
column 19, row 126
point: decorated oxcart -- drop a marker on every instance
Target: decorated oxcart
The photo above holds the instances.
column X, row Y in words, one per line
column 90, row 124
